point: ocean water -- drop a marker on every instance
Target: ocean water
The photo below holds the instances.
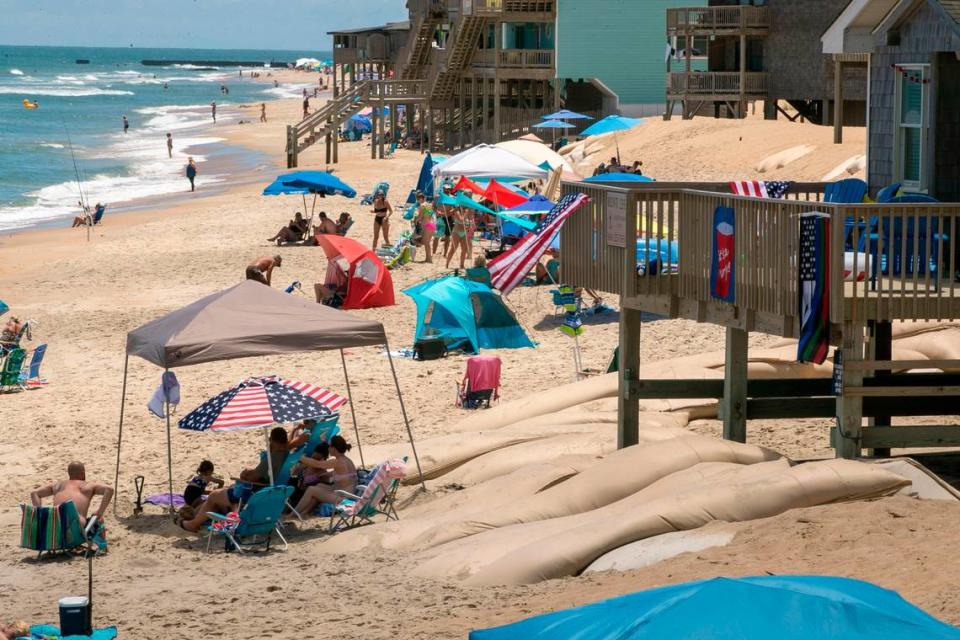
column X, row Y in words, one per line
column 81, row 106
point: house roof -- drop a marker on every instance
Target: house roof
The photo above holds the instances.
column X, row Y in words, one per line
column 854, row 30
column 390, row 26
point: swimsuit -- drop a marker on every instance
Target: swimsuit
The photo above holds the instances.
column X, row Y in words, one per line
column 194, row 490
column 253, row 273
column 381, row 215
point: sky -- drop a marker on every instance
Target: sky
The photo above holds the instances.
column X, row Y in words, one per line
column 213, row 24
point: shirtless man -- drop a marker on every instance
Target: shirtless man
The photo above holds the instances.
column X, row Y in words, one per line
column 77, row 489
column 326, row 225
column 262, row 268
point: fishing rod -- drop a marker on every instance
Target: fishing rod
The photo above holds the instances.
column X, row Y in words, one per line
column 76, row 170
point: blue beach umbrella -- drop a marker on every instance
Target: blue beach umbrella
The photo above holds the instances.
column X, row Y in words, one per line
column 619, row 177
column 303, row 182
column 536, row 204
column 781, row 607
column 425, row 180
column 566, row 114
column 553, row 124
column 612, row 124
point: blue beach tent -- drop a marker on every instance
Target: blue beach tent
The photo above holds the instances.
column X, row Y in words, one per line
column 302, row 182
column 359, row 123
column 758, row 608
column 424, row 181
column 468, row 315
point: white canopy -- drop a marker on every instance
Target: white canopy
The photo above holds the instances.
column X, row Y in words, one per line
column 536, row 153
column 486, row 161
column 306, row 62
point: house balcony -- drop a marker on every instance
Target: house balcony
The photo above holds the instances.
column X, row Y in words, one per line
column 513, row 59
column 715, row 85
column 718, row 21
column 506, row 9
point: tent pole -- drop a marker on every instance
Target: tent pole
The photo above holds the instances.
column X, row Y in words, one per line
column 403, row 410
column 266, row 436
column 303, row 196
column 166, row 404
column 353, row 414
column 313, row 205
column 123, row 397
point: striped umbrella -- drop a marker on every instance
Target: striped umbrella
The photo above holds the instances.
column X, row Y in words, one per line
column 261, row 402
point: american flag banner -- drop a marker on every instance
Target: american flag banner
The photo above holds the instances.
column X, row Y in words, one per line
column 510, row 268
column 261, row 402
column 761, row 188
column 814, row 287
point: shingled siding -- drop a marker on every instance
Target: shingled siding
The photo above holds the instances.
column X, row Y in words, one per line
column 923, row 35
column 946, row 178
column 794, row 56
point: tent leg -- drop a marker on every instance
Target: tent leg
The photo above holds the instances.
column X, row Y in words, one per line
column 123, row 398
column 166, row 404
column 403, row 410
column 356, row 429
column 266, row 436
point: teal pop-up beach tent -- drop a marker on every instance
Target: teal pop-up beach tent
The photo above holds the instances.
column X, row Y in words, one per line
column 467, row 315
column 760, row 608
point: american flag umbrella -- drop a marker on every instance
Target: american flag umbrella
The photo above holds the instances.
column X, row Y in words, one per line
column 262, row 402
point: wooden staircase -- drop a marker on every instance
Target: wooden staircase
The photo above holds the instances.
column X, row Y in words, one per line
column 325, row 120
column 464, row 38
column 421, row 46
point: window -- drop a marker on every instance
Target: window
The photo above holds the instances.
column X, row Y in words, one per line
column 699, row 49
column 913, row 122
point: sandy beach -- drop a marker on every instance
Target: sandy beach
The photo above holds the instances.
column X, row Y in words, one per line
column 157, row 581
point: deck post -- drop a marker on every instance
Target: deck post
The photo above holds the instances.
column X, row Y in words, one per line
column 850, row 408
column 374, row 121
column 383, row 126
column 328, row 143
column 882, row 349
column 733, row 410
column 496, row 111
column 742, row 108
column 336, row 138
column 838, row 102
column 628, row 359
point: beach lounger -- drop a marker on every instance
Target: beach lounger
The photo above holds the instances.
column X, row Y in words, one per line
column 12, row 370
column 481, row 382
column 367, row 198
column 372, row 499
column 564, row 300
column 53, row 529
column 343, row 231
column 31, row 375
column 256, row 522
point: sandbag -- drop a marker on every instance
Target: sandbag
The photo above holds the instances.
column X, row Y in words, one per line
column 620, row 474
column 805, row 485
column 468, row 556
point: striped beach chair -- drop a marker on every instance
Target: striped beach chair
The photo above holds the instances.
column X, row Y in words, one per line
column 376, row 497
column 50, row 529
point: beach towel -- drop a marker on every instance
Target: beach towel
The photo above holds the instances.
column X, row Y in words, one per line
column 483, row 372
column 168, row 393
column 390, row 470
column 814, row 288
column 50, row 528
column 165, row 500
column 44, row 631
column 723, row 264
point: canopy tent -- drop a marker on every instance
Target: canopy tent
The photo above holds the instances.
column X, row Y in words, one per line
column 618, row 177
column 306, row 62
column 359, row 123
column 249, row 319
column 467, row 315
column 502, row 196
column 486, row 161
column 782, row 607
column 424, row 181
column 537, row 153
column 463, row 200
column 368, row 281
column 466, row 184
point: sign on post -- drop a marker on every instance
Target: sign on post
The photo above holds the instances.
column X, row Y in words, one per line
column 616, row 226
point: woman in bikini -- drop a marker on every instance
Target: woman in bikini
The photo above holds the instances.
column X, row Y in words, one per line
column 428, row 222
column 381, row 221
column 459, row 236
column 343, row 474
column 293, row 232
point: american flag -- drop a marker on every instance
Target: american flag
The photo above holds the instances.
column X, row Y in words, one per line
column 761, row 188
column 814, row 287
column 261, row 402
column 510, row 268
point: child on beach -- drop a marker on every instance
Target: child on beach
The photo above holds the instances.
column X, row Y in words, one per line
column 197, row 487
column 426, row 218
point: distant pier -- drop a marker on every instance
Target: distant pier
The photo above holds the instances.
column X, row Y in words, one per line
column 219, row 63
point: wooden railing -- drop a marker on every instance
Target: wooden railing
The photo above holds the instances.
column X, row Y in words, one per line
column 500, row 7
column 887, row 261
column 514, row 58
column 693, row 19
column 715, row 83
column 399, row 89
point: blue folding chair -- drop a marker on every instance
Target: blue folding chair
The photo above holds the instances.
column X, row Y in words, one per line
column 888, row 193
column 922, row 231
column 257, row 523
column 32, row 372
column 849, row 191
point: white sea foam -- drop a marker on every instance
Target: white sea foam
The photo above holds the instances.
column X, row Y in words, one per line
column 70, row 80
column 64, row 92
column 290, row 90
column 52, row 145
column 191, row 66
column 16, row 72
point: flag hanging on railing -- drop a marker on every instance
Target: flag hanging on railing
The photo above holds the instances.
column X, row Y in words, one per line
column 723, row 263
column 761, row 188
column 814, row 287
column 510, row 268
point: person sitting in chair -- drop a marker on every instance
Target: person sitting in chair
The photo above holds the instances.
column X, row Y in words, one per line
column 76, row 489
column 227, row 500
column 293, row 232
column 344, row 222
column 10, row 336
column 334, row 288
column 326, row 226
column 549, row 274
column 344, row 476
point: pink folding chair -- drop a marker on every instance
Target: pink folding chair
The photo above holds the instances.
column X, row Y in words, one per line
column 481, row 382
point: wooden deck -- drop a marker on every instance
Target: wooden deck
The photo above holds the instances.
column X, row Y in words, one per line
column 653, row 245
column 732, row 20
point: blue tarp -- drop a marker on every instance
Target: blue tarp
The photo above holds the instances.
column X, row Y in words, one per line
column 760, row 608
column 319, row 182
column 468, row 315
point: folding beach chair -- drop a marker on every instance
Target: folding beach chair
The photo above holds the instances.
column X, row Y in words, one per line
column 12, row 369
column 31, row 375
column 343, row 230
column 256, row 522
column 376, row 497
column 481, row 382
column 55, row 529
column 479, row 274
column 564, row 300
column 380, row 186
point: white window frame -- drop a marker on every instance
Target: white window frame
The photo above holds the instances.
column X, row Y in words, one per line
column 924, row 126
column 674, row 42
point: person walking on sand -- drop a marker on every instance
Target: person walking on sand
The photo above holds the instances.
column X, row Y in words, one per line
column 169, row 145
column 191, row 172
column 213, row 110
column 262, row 268
column 263, row 112
column 126, row 124
column 306, row 106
